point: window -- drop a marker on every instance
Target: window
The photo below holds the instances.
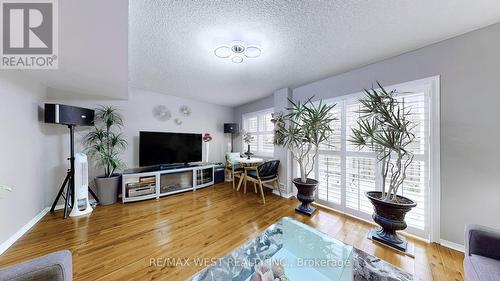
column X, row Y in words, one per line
column 262, row 129
column 345, row 173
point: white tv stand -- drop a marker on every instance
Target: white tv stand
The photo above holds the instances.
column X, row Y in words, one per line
column 137, row 186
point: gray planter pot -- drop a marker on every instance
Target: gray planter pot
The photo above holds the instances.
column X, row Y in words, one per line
column 107, row 189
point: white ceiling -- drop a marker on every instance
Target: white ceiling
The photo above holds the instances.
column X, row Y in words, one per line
column 171, row 42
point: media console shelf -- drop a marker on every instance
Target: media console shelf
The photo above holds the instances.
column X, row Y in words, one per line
column 137, row 186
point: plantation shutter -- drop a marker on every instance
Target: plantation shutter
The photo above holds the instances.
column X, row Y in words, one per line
column 250, row 124
column 266, row 133
column 259, row 125
column 345, row 173
column 414, row 188
column 417, row 176
column 360, row 178
column 329, row 176
column 361, row 165
column 329, row 162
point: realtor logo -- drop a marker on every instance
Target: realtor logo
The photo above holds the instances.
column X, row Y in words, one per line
column 29, row 34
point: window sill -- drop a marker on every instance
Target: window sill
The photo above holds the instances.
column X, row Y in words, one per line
column 263, row 155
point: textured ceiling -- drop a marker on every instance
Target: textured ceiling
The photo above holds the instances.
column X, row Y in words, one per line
column 171, row 43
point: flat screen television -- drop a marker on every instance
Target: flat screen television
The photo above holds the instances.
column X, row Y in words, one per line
column 157, row 148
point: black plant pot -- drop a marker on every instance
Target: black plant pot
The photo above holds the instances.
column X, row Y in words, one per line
column 391, row 217
column 305, row 194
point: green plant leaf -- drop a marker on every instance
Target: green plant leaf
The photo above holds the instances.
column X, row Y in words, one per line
column 105, row 141
column 384, row 126
column 303, row 128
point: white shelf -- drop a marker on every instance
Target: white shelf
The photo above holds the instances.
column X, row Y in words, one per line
column 183, row 177
column 139, row 198
column 176, row 191
column 205, row 185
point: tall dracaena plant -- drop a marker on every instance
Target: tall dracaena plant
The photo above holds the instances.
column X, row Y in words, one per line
column 302, row 130
column 384, row 126
column 105, row 142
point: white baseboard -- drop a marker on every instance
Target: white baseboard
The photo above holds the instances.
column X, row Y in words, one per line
column 276, row 192
column 9, row 242
column 452, row 245
column 59, row 207
column 284, row 195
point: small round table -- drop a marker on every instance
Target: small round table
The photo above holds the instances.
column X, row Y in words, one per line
column 245, row 162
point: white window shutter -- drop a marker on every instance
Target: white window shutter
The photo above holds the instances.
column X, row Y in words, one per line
column 345, row 173
column 259, row 125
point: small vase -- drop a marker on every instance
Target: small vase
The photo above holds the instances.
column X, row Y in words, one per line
column 248, row 153
column 207, row 150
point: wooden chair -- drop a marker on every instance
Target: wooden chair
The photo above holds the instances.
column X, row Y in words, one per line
column 233, row 169
column 264, row 173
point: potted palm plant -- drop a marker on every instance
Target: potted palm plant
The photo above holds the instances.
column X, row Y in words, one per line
column 104, row 144
column 304, row 127
column 385, row 127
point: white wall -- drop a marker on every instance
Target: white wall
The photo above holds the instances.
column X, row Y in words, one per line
column 281, row 103
column 138, row 116
column 21, row 154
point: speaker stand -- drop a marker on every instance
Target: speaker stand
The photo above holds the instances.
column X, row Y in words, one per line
column 232, row 139
column 69, row 181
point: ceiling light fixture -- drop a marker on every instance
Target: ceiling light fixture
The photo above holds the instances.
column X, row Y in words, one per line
column 237, row 51
column 237, row 59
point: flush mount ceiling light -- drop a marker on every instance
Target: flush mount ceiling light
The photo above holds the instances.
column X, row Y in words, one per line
column 237, row 51
column 237, row 59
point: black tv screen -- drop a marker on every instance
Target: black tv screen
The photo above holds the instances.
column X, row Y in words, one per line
column 157, row 148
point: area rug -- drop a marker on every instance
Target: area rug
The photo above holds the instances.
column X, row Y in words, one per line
column 240, row 264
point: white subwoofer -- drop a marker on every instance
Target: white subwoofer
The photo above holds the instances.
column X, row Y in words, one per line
column 81, row 204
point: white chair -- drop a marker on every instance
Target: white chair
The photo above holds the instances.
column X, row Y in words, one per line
column 233, row 168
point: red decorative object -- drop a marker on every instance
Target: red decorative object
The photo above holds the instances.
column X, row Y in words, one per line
column 207, row 137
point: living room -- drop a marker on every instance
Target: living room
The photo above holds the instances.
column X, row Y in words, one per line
column 249, row 140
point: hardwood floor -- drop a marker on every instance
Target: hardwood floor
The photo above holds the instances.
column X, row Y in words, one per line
column 118, row 242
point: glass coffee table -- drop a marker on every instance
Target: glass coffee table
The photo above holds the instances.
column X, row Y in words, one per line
column 287, row 250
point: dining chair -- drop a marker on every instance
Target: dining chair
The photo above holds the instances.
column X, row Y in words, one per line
column 232, row 167
column 264, row 173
